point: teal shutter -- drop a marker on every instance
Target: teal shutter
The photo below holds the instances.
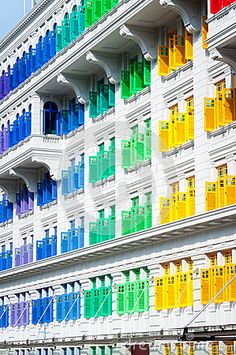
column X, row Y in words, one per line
column 111, row 95
column 120, row 299
column 59, row 45
column 126, row 222
column 87, row 304
column 93, row 112
column 93, row 162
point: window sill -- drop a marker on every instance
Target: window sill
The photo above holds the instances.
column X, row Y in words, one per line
column 176, row 150
column 74, row 193
column 177, row 71
column 74, row 132
column 26, row 214
column 48, row 205
column 104, row 181
column 138, row 166
column 134, row 97
column 5, row 224
column 221, row 130
column 104, row 115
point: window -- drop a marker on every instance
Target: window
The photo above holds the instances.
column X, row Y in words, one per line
column 50, row 118
column 222, row 170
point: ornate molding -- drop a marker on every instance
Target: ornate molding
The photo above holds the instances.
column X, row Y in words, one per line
column 109, row 63
column 9, row 187
column 79, row 85
column 225, row 55
column 145, row 38
column 52, row 164
column 189, row 11
column 29, row 176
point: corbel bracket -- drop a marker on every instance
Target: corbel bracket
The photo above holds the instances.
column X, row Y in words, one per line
column 29, row 176
column 143, row 37
column 79, row 85
column 9, row 187
column 225, row 55
column 109, row 63
column 52, row 164
column 189, row 11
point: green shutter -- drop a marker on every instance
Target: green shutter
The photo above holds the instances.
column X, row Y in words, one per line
column 126, row 222
column 93, row 112
column 146, row 73
column 139, row 149
column 131, row 78
column 95, row 301
column 148, row 141
column 125, row 154
column 97, row 10
column 93, row 233
column 106, row 297
column 125, row 84
column 105, row 166
column 148, row 211
column 138, row 76
column 139, row 218
column 88, row 13
column 121, row 299
column 112, row 157
column 103, row 96
column 87, row 304
column 131, row 291
column 93, row 162
column 142, row 296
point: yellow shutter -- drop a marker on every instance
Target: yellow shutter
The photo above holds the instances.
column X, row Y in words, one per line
column 159, row 293
column 230, row 190
column 230, row 291
column 229, row 348
column 181, row 205
column 215, row 349
column 217, row 276
column 173, row 214
column 191, row 349
column 171, row 53
column 163, row 60
column 209, row 115
column 180, row 128
column 164, row 210
column 204, row 32
column 188, row 45
column 219, row 104
column 229, row 105
column 179, row 51
column 170, row 288
column 211, row 196
column 205, row 286
column 163, row 136
column 179, row 349
column 182, row 291
column 189, row 289
column 167, row 349
column 221, row 196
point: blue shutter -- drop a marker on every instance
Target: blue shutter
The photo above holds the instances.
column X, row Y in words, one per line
column 34, row 311
column 10, row 79
column 75, row 305
column 28, row 69
column 65, row 182
column 58, row 124
column 64, row 242
column 81, row 237
column 65, row 121
column 28, row 123
column 74, row 240
column 54, row 245
column 48, row 316
column 54, row 190
column 40, row 194
column 48, row 247
column 52, row 41
column 60, row 308
column 67, row 306
column 39, row 249
column 46, row 48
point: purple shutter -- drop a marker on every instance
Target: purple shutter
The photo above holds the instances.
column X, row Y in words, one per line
column 24, row 320
column 5, row 84
column 30, row 253
column 31, row 201
column 18, row 204
column 17, row 257
column 5, row 139
column 12, row 315
column 18, row 314
column 25, row 200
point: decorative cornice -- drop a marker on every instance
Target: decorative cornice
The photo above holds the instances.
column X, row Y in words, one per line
column 189, row 11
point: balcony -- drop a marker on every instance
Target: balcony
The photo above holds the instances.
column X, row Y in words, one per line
column 24, row 159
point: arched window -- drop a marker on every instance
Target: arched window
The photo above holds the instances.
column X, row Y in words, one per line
column 66, row 30
column 50, row 118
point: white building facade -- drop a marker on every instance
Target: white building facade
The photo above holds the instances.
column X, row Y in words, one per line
column 118, row 178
